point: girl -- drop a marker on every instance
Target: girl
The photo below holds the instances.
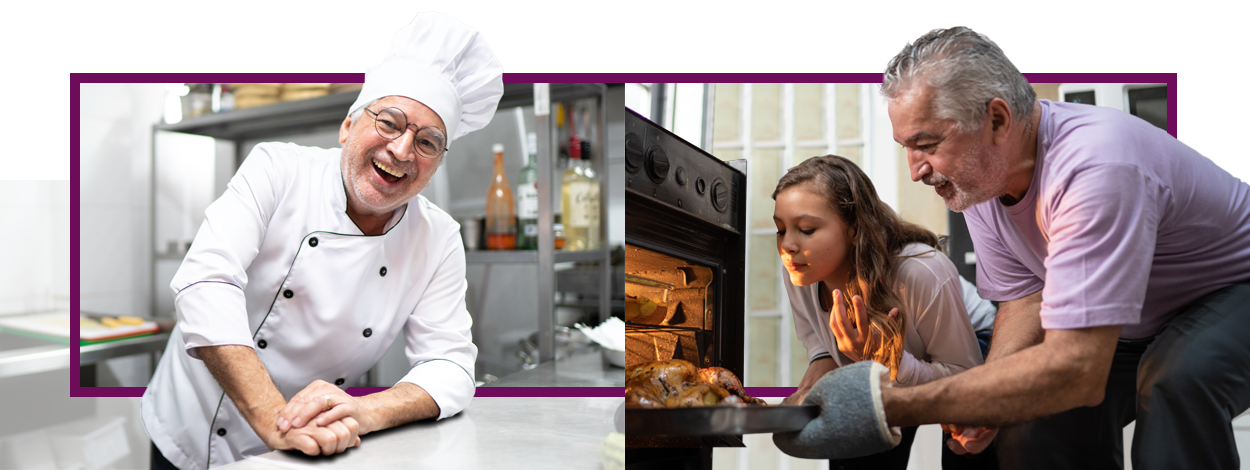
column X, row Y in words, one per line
column 866, row 285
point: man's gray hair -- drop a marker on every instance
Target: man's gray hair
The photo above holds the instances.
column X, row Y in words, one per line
column 355, row 114
column 966, row 70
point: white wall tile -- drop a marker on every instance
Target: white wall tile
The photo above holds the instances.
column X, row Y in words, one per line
column 115, row 193
column 60, row 243
column 29, row 210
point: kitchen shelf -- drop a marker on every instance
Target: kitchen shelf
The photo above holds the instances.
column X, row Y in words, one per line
column 330, row 110
column 529, row 256
column 22, row 355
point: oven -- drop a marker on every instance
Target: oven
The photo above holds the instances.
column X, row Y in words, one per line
column 685, row 229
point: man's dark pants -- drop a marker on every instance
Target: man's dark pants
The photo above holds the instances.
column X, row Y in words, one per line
column 1183, row 386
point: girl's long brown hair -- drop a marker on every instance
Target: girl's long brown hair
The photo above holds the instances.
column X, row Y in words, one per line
column 879, row 237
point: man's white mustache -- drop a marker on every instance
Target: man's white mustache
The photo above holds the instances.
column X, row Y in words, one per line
column 933, row 179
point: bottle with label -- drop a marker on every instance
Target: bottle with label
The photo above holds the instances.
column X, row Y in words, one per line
column 575, row 201
column 592, row 198
column 558, row 233
column 500, row 215
column 527, row 198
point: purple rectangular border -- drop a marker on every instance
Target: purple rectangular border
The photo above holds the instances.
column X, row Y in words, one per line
column 77, row 79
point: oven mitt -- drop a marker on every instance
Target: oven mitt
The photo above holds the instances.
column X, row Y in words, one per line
column 852, row 417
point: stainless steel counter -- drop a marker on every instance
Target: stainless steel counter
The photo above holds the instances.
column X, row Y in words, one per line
column 583, row 367
column 492, row 433
column 20, row 355
column 511, row 433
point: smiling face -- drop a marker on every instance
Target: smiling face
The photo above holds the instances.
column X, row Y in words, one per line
column 963, row 167
column 380, row 174
column 812, row 239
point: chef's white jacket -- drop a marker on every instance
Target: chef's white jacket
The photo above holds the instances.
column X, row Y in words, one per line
column 280, row 267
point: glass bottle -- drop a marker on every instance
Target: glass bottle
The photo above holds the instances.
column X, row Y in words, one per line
column 574, row 200
column 592, row 198
column 500, row 215
column 558, row 232
column 527, row 198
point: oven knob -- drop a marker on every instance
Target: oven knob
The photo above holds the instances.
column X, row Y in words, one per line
column 634, row 157
column 657, row 164
column 720, row 195
column 700, row 185
column 681, row 176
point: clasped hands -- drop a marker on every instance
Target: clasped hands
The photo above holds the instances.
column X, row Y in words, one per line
column 321, row 419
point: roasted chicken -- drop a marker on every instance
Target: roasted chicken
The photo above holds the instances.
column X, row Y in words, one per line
column 678, row 384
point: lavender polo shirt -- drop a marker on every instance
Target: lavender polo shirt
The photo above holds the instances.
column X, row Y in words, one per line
column 1122, row 225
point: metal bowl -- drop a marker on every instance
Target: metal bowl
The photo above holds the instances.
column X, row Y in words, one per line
column 614, row 357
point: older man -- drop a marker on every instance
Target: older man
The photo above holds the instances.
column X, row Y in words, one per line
column 1120, row 257
column 314, row 261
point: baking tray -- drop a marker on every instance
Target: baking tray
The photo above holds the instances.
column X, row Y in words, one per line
column 717, row 420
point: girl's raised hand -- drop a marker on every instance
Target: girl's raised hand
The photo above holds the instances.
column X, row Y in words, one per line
column 852, row 329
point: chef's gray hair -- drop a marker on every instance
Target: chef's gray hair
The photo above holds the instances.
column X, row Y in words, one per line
column 966, row 70
column 355, row 114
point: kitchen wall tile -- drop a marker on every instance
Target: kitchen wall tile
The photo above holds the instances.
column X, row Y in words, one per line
column 804, row 153
column 766, row 112
column 764, row 453
column 809, row 106
column 105, row 159
column 727, row 122
column 798, row 355
column 854, row 153
column 765, row 267
column 918, row 203
column 726, row 458
column 729, row 154
column 804, row 464
column 59, row 227
column 24, row 194
column 764, row 169
column 27, row 285
column 106, row 250
column 846, row 108
column 762, row 368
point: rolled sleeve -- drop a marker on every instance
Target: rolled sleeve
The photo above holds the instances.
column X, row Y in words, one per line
column 200, row 309
column 446, row 382
column 438, row 333
column 208, row 287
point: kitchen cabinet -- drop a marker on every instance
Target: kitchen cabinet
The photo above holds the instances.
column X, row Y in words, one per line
column 327, row 112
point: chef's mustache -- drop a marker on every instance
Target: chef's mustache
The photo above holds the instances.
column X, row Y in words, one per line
column 381, row 155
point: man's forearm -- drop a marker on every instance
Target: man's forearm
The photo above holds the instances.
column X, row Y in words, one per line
column 1069, row 369
column 1017, row 325
column 246, row 381
column 816, row 370
column 401, row 404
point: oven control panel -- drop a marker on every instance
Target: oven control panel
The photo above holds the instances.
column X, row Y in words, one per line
column 661, row 166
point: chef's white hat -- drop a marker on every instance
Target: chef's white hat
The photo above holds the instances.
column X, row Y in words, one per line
column 443, row 64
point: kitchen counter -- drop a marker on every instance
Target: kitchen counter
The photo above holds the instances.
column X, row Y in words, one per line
column 582, row 367
column 492, row 433
column 20, row 355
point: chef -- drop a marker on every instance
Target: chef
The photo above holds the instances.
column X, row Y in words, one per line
column 314, row 261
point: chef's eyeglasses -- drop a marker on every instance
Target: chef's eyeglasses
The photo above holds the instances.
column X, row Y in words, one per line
column 392, row 123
